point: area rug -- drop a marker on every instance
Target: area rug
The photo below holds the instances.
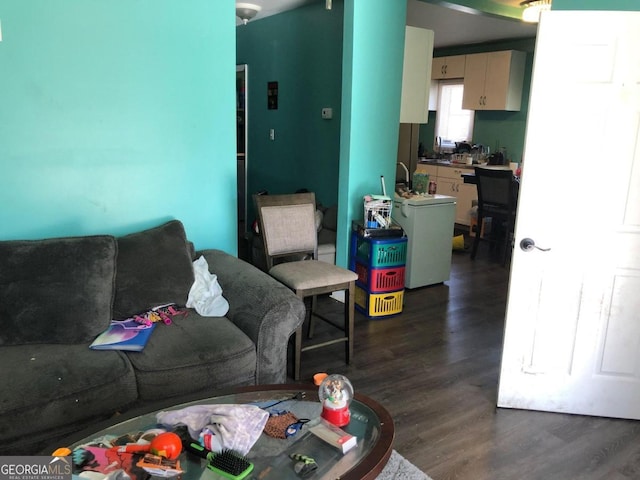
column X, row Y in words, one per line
column 399, row 468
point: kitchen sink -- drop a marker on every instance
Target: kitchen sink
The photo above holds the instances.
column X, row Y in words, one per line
column 436, row 161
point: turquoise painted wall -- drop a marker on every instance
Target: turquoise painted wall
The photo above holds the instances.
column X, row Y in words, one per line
column 302, row 51
column 371, row 85
column 118, row 115
column 630, row 5
column 493, row 128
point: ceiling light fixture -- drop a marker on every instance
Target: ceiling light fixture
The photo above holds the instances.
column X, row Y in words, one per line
column 327, row 4
column 246, row 11
column 533, row 9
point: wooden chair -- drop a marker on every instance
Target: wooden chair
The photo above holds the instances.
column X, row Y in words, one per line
column 288, row 229
column 497, row 198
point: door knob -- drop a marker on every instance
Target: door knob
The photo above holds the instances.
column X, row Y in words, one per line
column 527, row 244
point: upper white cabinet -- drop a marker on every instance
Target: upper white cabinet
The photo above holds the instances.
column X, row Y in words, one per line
column 493, row 81
column 448, row 67
column 416, row 75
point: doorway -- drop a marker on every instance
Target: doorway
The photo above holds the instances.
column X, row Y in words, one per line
column 241, row 155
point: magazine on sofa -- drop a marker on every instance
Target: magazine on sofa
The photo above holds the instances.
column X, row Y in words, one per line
column 124, row 335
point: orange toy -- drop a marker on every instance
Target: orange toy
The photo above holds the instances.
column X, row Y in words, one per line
column 167, row 445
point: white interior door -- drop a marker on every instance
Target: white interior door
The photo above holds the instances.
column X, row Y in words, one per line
column 572, row 338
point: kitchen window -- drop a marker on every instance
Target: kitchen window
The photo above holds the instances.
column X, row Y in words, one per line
column 453, row 123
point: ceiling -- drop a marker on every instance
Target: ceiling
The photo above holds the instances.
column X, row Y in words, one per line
column 451, row 26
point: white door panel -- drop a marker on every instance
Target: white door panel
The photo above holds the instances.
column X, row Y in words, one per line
column 572, row 337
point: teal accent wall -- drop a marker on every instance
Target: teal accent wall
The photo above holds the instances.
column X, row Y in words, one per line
column 348, row 58
column 116, row 116
column 302, row 51
column 371, row 86
column 630, row 5
column 494, row 129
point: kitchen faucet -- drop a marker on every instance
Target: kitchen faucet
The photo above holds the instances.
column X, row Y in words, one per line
column 406, row 175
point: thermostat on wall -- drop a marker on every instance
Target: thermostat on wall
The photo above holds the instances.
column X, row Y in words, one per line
column 327, row 113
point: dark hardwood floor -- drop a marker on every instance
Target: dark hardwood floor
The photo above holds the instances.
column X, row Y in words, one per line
column 435, row 367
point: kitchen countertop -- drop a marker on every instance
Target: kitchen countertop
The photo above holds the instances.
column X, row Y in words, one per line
column 445, row 163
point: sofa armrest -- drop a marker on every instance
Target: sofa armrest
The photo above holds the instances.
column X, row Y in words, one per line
column 264, row 309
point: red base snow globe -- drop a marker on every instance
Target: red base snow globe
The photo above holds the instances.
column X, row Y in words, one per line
column 336, row 394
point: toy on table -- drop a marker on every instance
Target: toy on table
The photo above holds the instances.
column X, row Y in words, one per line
column 304, row 465
column 336, row 393
column 167, row 445
column 159, row 466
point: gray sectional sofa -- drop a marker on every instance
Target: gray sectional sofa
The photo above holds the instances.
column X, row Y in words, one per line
column 57, row 295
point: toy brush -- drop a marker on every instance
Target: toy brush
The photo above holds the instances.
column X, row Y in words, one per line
column 228, row 463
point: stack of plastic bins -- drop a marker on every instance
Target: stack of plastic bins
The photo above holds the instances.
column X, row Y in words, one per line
column 380, row 265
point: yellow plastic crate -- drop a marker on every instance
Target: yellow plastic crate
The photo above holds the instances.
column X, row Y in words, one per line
column 379, row 304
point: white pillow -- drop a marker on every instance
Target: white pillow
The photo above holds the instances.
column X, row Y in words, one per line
column 319, row 217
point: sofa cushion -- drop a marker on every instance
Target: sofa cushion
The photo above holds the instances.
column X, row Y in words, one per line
column 57, row 290
column 56, row 387
column 153, row 268
column 194, row 353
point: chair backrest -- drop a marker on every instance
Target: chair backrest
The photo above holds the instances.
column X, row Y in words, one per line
column 287, row 225
column 496, row 189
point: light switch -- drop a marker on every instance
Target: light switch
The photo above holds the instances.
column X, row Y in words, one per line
column 327, row 113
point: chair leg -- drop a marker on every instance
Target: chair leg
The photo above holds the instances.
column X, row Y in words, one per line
column 349, row 319
column 508, row 242
column 312, row 320
column 476, row 239
column 297, row 354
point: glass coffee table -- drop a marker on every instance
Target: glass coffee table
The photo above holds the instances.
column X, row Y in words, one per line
column 370, row 423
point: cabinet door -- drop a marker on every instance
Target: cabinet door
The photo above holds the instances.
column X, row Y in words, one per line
column 504, row 79
column 446, row 186
column 448, row 67
column 475, row 71
column 467, row 193
column 455, row 66
column 497, row 80
column 416, row 72
column 493, row 81
column 438, row 68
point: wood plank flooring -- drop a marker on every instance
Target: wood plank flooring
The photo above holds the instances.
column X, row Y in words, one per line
column 435, row 367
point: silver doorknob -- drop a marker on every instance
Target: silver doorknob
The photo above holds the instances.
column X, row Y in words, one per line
column 527, row 244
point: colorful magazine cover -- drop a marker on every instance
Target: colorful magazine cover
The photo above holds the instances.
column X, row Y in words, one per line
column 124, row 335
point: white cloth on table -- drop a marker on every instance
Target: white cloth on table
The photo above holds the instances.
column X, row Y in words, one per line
column 235, row 427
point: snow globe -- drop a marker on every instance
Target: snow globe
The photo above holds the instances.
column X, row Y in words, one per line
column 336, row 393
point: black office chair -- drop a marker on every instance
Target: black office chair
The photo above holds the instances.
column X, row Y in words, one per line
column 497, row 199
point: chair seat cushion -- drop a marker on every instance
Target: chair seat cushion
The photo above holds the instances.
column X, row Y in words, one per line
column 194, row 353
column 310, row 274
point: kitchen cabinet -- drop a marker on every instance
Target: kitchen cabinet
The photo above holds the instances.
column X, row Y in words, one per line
column 448, row 67
column 493, row 80
column 449, row 182
column 416, row 75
